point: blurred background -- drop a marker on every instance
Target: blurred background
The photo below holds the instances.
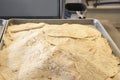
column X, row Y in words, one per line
column 103, row 10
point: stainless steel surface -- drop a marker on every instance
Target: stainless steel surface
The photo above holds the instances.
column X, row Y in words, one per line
column 2, row 26
column 94, row 22
column 112, row 15
column 31, row 9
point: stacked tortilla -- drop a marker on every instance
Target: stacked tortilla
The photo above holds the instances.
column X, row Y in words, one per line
column 40, row 51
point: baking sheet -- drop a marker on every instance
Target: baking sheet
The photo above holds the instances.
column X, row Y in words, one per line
column 94, row 22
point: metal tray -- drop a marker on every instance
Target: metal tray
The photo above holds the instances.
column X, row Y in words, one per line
column 2, row 27
column 94, row 22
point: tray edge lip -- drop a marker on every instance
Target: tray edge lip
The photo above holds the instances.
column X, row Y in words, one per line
column 2, row 33
column 109, row 39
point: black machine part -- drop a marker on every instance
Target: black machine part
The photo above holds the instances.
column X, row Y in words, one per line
column 79, row 8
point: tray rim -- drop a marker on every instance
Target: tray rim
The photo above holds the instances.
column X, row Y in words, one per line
column 3, row 27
